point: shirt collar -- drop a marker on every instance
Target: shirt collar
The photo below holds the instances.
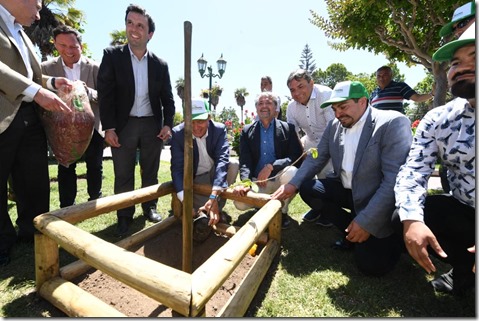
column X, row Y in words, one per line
column 76, row 65
column 133, row 55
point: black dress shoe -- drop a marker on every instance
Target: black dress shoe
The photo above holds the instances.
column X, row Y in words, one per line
column 4, row 257
column 123, row 225
column 342, row 245
column 152, row 215
column 454, row 284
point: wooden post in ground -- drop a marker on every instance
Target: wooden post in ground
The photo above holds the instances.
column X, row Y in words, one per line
column 47, row 263
column 188, row 159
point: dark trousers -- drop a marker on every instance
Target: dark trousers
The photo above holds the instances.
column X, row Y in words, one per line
column 23, row 155
column 454, row 225
column 375, row 256
column 67, row 177
column 138, row 133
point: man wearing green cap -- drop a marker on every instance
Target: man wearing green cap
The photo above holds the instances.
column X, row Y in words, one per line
column 211, row 159
column 463, row 17
column 366, row 146
column 444, row 225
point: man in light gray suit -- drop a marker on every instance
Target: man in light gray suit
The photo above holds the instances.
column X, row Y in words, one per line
column 366, row 146
column 23, row 144
column 72, row 65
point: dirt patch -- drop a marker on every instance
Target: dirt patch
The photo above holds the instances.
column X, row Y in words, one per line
column 167, row 249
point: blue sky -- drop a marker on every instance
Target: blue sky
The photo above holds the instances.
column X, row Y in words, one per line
column 256, row 38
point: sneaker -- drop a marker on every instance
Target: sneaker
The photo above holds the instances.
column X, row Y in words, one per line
column 311, row 215
column 322, row 221
column 285, row 222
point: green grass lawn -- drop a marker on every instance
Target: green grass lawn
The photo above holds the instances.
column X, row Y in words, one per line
column 307, row 279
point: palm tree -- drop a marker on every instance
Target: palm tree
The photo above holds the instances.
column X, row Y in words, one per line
column 180, row 88
column 53, row 13
column 240, row 94
column 215, row 94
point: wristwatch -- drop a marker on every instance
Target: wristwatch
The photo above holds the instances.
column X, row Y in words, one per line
column 214, row 197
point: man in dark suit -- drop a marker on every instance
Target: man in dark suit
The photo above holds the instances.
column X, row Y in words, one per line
column 72, row 65
column 136, row 110
column 366, row 146
column 211, row 159
column 268, row 148
column 23, row 144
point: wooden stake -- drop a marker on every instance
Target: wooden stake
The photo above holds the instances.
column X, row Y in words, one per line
column 47, row 261
column 188, row 158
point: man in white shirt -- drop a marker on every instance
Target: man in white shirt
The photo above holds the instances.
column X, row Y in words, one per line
column 305, row 113
column 72, row 65
column 366, row 146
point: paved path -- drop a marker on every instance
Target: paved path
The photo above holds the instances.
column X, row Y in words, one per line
column 434, row 182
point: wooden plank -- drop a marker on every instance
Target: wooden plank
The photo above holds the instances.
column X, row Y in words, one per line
column 239, row 302
column 74, row 301
column 160, row 282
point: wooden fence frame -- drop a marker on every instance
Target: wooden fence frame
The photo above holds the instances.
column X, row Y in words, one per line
column 185, row 293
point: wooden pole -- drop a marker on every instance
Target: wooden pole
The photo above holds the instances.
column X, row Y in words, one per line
column 74, row 301
column 74, row 269
column 77, row 213
column 239, row 302
column 208, row 278
column 160, row 282
column 252, row 198
column 188, row 164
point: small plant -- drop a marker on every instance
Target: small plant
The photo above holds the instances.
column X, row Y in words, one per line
column 253, row 184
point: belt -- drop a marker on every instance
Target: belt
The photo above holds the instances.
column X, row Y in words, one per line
column 139, row 117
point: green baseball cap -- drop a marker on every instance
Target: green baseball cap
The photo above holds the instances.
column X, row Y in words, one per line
column 463, row 12
column 346, row 90
column 447, row 51
column 199, row 109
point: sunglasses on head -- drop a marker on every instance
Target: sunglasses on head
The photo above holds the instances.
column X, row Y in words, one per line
column 461, row 24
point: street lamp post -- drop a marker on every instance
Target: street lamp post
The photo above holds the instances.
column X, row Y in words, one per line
column 202, row 68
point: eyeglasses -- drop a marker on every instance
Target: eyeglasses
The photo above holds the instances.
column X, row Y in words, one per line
column 461, row 24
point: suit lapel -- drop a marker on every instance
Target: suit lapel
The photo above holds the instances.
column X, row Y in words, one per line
column 364, row 139
column 34, row 61
column 84, row 70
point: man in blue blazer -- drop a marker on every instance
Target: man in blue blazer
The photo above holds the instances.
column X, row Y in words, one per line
column 136, row 110
column 212, row 164
column 367, row 146
column 268, row 148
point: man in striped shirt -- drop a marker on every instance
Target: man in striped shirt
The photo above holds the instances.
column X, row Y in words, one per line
column 390, row 94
